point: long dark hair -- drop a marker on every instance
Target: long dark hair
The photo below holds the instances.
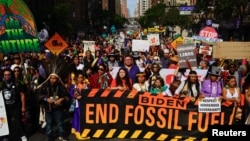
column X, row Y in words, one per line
column 161, row 80
column 189, row 84
column 127, row 79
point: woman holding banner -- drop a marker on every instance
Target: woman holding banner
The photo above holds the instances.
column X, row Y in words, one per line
column 142, row 83
column 75, row 93
column 122, row 80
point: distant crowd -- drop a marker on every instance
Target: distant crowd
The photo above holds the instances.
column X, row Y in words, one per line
column 43, row 89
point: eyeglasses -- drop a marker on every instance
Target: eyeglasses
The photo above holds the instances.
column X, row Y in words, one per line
column 16, row 70
column 7, row 74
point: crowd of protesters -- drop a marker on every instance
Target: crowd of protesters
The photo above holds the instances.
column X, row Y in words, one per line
column 226, row 79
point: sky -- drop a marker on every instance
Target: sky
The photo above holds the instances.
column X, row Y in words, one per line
column 131, row 5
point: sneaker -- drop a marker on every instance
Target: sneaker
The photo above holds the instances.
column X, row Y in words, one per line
column 43, row 125
column 24, row 138
column 61, row 139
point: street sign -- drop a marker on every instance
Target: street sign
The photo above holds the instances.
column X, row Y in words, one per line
column 56, row 44
column 186, row 10
column 113, row 29
column 208, row 32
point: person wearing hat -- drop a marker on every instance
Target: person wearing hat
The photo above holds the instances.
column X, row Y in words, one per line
column 189, row 87
column 165, row 60
column 112, row 62
column 6, row 63
column 212, row 87
column 53, row 95
column 141, row 85
column 174, row 62
column 17, row 62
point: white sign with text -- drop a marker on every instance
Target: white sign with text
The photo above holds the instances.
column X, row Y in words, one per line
column 209, row 105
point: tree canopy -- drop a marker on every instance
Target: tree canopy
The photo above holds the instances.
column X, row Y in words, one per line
column 162, row 15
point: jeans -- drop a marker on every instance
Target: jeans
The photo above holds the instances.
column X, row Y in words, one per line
column 51, row 118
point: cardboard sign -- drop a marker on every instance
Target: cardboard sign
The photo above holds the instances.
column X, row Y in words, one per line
column 153, row 39
column 56, row 44
column 209, row 105
column 140, row 45
column 187, row 53
column 89, row 45
column 231, row 50
column 4, row 128
column 18, row 31
column 205, row 50
column 119, row 114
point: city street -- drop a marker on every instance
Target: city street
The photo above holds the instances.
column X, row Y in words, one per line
column 40, row 136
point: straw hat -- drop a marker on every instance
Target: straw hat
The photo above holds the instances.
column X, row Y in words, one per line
column 174, row 58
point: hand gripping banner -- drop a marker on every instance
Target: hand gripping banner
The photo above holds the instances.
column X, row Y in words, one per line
column 108, row 114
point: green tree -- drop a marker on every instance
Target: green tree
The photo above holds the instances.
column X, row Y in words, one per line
column 105, row 17
column 201, row 6
column 58, row 19
column 153, row 16
column 174, row 18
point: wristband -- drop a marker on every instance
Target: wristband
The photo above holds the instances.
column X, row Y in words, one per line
column 45, row 99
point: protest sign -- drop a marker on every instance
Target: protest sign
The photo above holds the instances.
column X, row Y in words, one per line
column 231, row 50
column 140, row 45
column 153, row 39
column 186, row 53
column 4, row 128
column 89, row 45
column 209, row 105
column 119, row 114
column 18, row 31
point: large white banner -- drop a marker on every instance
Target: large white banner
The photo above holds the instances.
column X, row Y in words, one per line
column 89, row 45
column 4, row 128
column 140, row 45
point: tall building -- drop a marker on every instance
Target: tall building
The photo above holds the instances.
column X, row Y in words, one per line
column 183, row 2
column 144, row 6
column 124, row 11
column 155, row 2
column 105, row 4
column 118, row 7
column 112, row 6
column 129, row 16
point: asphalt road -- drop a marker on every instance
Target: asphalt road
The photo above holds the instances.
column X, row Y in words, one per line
column 40, row 135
